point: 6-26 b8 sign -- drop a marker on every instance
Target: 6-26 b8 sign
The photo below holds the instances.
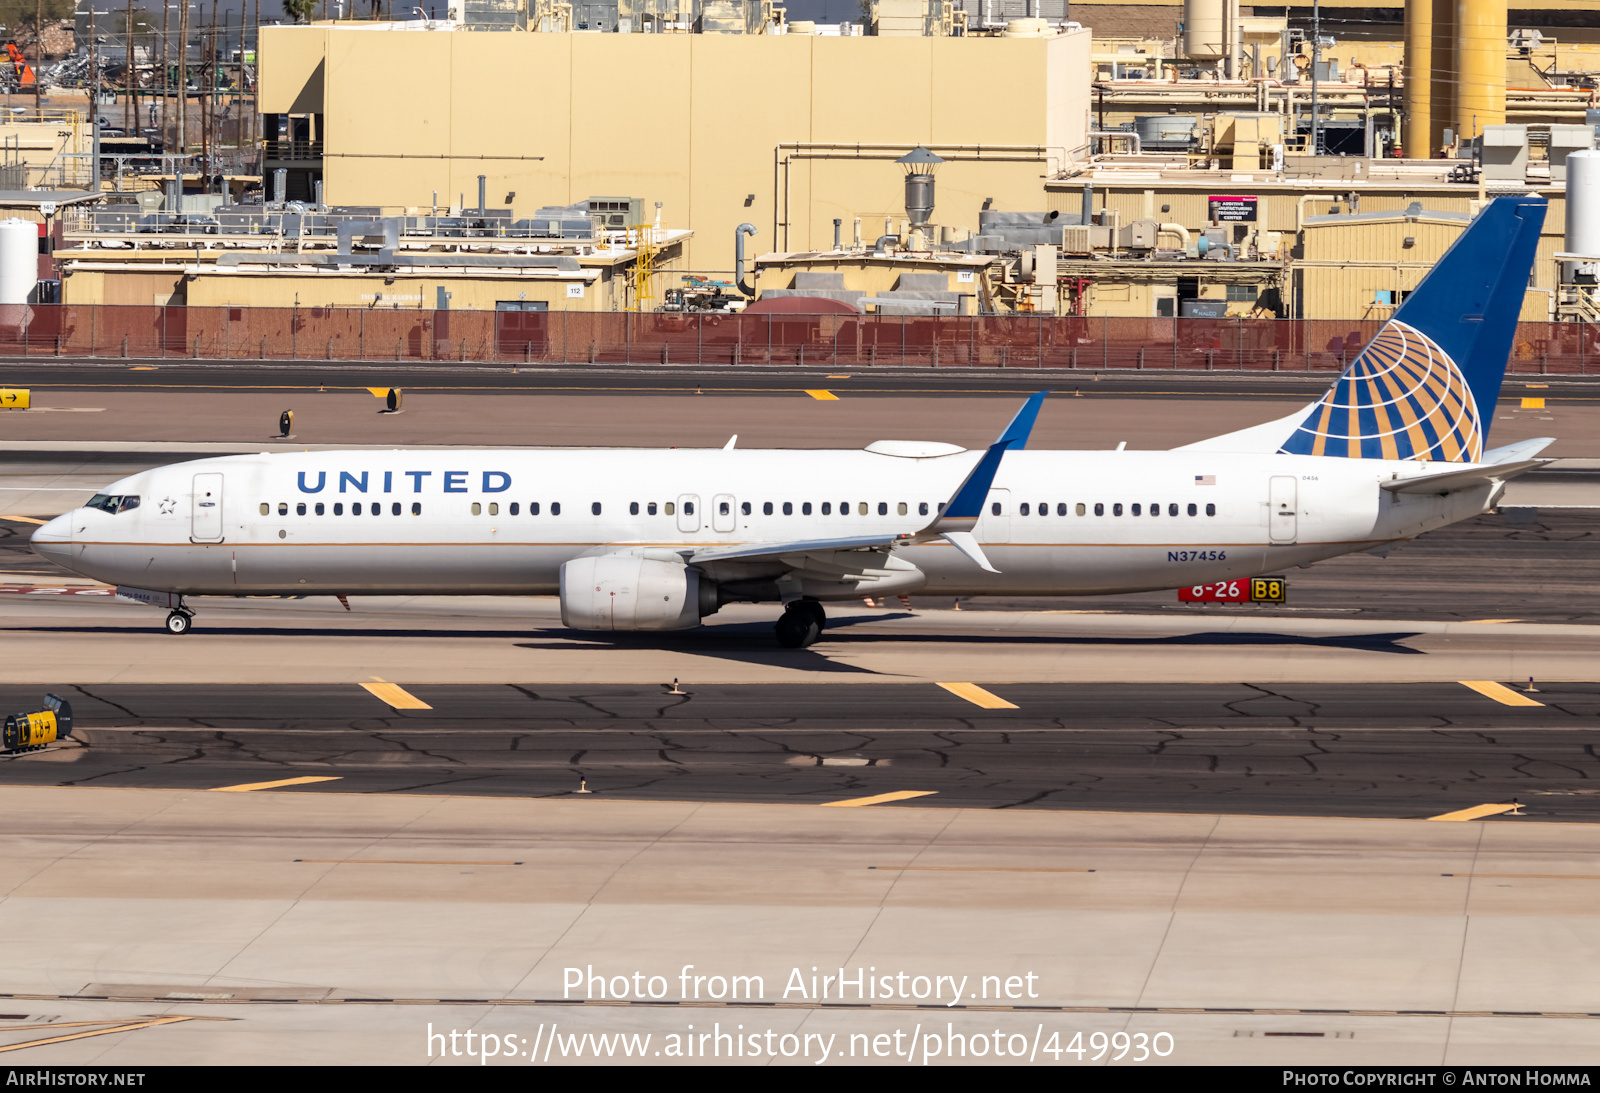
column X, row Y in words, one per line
column 1248, row 590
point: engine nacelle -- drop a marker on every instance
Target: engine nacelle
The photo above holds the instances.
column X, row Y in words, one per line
column 629, row 592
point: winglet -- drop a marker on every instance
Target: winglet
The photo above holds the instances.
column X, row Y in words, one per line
column 959, row 515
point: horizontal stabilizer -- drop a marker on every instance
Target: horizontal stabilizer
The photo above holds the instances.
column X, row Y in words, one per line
column 1522, row 449
column 1471, row 478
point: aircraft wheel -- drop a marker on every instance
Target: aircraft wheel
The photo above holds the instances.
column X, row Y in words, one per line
column 813, row 610
column 178, row 623
column 797, row 629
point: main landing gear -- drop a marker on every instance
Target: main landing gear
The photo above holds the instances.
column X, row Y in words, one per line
column 180, row 620
column 801, row 624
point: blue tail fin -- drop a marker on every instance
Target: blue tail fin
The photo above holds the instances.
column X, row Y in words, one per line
column 1426, row 386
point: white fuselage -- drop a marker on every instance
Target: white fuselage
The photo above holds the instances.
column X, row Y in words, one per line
column 463, row 522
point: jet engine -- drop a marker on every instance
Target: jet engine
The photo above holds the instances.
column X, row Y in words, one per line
column 634, row 592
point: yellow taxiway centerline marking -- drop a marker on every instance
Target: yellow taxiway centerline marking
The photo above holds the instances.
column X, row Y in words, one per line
column 1476, row 812
column 394, row 861
column 823, row 396
column 881, row 798
column 969, row 869
column 248, row 786
column 978, row 696
column 395, row 695
column 24, row 519
column 133, row 1026
column 1499, row 692
column 1533, row 404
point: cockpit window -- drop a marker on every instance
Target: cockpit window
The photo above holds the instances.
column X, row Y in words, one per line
column 114, row 503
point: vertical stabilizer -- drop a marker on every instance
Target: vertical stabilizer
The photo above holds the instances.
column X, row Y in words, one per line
column 1426, row 386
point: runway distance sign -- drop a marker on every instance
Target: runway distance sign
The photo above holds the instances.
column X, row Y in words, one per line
column 1248, row 590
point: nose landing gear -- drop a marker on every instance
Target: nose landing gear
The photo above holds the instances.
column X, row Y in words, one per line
column 180, row 620
column 801, row 624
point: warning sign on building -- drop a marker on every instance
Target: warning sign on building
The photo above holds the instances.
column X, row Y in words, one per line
column 1232, row 209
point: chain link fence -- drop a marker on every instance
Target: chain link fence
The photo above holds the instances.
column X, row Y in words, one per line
column 665, row 338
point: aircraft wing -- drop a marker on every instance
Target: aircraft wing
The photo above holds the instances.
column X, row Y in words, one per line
column 855, row 554
column 1451, row 481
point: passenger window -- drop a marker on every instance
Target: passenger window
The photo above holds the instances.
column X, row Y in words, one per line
column 1099, row 509
column 533, row 508
column 788, row 508
column 688, row 508
column 355, row 509
column 300, row 509
column 744, row 507
column 883, row 508
column 671, row 508
column 1116, row 508
column 1172, row 510
column 266, row 509
column 1022, row 509
column 395, row 508
column 1044, row 508
column 494, row 508
column 633, row 509
column 1061, row 509
column 941, row 508
column 416, row 508
column 1079, row 509
column 338, row 508
column 283, row 509
column 995, row 508
column 1134, row 509
column 922, row 508
column 377, row 508
column 1155, row 509
column 901, row 508
column 766, row 508
column 723, row 508
column 516, row 507
column 844, row 508
column 650, row 509
column 594, row 508
column 805, row 508
column 477, row 509
column 827, row 508
column 1194, row 510
column 1211, row 510
column 862, row 508
column 319, row 509
column 555, row 508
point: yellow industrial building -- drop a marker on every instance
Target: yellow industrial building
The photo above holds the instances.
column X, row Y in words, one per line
column 785, row 132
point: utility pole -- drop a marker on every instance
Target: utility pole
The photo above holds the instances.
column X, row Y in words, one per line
column 183, row 85
column 1316, row 60
column 166, row 80
column 130, row 109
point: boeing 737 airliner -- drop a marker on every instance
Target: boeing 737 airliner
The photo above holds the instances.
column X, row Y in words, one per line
column 658, row 540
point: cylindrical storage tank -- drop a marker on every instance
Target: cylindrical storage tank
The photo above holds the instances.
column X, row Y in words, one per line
column 1417, row 139
column 1583, row 203
column 1165, row 132
column 1202, row 29
column 1026, row 28
column 19, row 260
column 1480, row 66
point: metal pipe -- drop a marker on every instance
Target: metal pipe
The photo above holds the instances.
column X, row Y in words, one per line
column 838, row 226
column 879, row 243
column 483, row 194
column 738, row 256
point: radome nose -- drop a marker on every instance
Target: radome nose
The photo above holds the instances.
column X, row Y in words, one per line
column 54, row 538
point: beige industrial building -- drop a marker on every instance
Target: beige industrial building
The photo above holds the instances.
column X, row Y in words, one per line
column 784, row 132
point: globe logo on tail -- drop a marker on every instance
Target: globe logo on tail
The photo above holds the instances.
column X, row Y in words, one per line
column 1402, row 398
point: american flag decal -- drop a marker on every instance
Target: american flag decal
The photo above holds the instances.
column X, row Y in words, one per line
column 1205, row 480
